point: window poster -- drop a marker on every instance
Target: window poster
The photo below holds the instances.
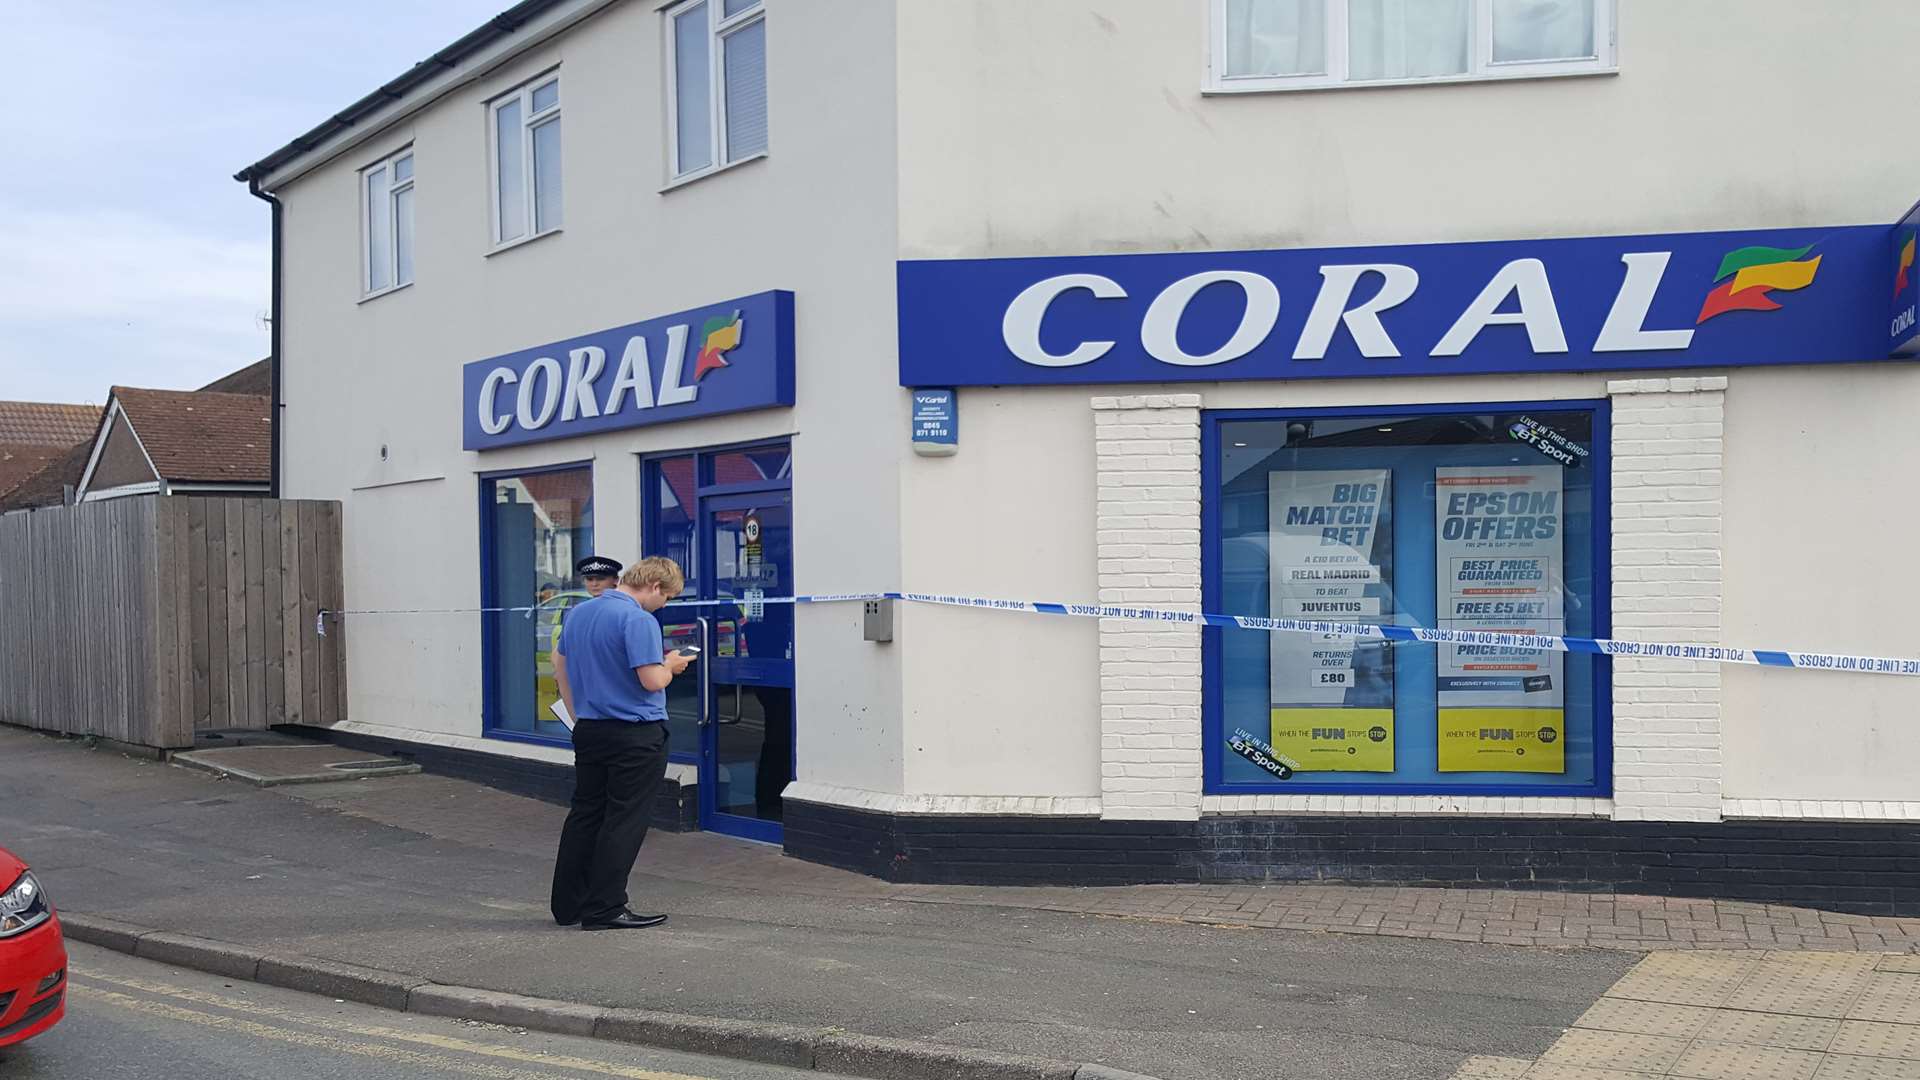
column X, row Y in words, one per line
column 1499, row 540
column 1330, row 543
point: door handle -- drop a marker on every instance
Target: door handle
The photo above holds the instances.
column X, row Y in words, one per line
column 706, row 669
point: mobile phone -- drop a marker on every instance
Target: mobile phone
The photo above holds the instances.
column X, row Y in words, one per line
column 688, row 651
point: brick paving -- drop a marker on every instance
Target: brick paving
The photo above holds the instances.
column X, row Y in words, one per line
column 451, row 809
column 1502, row 917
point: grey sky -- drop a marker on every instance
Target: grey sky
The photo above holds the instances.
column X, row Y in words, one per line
column 128, row 254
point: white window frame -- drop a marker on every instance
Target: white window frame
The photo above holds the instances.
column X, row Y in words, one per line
column 1481, row 66
column 393, row 191
column 529, row 120
column 719, row 27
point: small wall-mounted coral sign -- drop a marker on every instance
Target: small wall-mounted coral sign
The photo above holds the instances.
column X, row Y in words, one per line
column 936, row 422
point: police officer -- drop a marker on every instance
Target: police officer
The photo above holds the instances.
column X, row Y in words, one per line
column 598, row 574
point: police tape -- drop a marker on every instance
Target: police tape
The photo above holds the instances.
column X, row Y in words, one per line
column 1387, row 632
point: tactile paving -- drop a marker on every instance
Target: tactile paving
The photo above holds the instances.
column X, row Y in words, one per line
column 1822, row 959
column 1779, row 1016
column 1799, row 989
column 1827, row 970
column 1738, row 1061
column 1890, row 999
column 1644, row 1018
column 1678, row 978
column 1849, row 1067
column 1547, row 1070
column 1871, row 1039
column 1492, row 1068
column 1768, row 1029
column 1700, row 964
column 1615, row 1050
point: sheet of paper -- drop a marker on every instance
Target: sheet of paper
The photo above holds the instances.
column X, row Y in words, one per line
column 559, row 710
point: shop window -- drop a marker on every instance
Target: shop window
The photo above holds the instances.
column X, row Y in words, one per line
column 757, row 466
column 717, row 111
column 1482, row 519
column 525, row 136
column 535, row 526
column 1315, row 44
column 671, row 496
column 675, row 486
column 386, row 224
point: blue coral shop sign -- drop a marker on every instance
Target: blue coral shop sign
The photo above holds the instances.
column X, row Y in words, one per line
column 1721, row 299
column 1903, row 329
column 722, row 358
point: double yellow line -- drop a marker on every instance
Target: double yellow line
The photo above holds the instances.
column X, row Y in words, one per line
column 86, row 986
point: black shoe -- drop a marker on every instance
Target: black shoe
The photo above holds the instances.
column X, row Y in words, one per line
column 626, row 920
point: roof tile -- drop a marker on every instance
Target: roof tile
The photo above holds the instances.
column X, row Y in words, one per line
column 40, row 423
column 255, row 378
column 21, row 460
column 201, row 436
column 47, row 487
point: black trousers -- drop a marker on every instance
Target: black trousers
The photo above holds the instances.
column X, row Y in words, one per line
column 617, row 771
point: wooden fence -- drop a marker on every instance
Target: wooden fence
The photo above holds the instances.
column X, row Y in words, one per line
column 146, row 619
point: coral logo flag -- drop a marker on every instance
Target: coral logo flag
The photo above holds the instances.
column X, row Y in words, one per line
column 1755, row 272
column 1906, row 264
column 717, row 336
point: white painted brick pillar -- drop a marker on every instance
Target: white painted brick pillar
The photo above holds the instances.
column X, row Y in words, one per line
column 1668, row 452
column 1147, row 464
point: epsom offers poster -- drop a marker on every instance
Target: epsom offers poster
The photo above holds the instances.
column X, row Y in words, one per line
column 1499, row 540
column 1331, row 554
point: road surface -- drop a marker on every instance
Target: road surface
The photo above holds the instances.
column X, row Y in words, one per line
column 130, row 1019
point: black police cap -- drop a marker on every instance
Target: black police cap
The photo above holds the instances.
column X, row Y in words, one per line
column 597, row 565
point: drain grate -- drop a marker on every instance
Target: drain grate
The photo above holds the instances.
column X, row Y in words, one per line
column 362, row 766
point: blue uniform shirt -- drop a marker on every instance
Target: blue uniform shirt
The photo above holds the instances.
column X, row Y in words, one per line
column 603, row 640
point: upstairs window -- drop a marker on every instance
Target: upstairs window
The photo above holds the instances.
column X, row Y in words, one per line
column 717, row 110
column 1315, row 44
column 525, row 134
column 386, row 224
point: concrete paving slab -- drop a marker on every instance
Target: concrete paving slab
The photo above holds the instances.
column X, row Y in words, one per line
column 1554, row 1071
column 1793, row 992
column 1887, row 1005
column 1744, row 1061
column 1681, row 978
column 311, row 763
column 1776, row 1017
column 1868, row 1038
column 1615, row 1050
column 1848, row 1067
column 1645, row 1018
column 1765, row 1029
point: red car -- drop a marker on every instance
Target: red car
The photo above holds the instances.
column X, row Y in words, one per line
column 33, row 960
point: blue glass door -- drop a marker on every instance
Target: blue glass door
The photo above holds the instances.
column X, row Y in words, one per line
column 726, row 516
column 746, row 730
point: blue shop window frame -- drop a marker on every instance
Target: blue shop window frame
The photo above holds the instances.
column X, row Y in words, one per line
column 489, row 598
column 653, row 539
column 1601, row 538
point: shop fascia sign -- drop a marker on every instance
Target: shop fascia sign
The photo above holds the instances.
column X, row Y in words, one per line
column 1726, row 299
column 722, row 358
column 1903, row 330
